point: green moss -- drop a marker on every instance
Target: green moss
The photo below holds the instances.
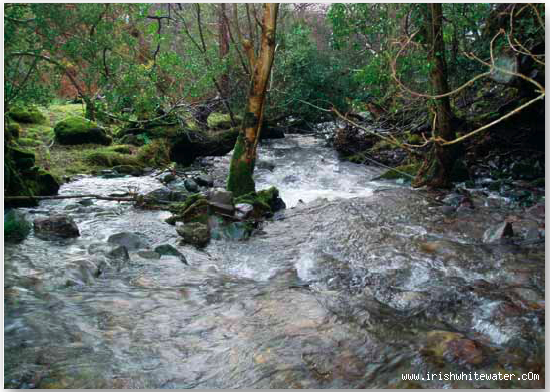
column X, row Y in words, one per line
column 23, row 159
column 78, row 130
column 30, row 115
column 392, row 174
column 28, row 142
column 13, row 130
column 16, row 227
column 220, row 120
column 156, row 153
column 194, row 209
column 107, row 158
column 240, row 180
column 121, row 148
column 264, row 201
column 414, row 139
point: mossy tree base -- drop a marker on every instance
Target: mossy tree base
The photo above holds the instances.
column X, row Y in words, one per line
column 240, row 180
column 437, row 169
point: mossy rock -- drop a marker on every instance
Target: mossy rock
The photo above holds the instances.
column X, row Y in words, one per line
column 28, row 142
column 193, row 209
column 219, row 121
column 156, row 153
column 107, row 158
column 16, row 227
column 121, row 149
column 78, row 130
column 23, row 159
column 400, row 172
column 30, row 115
column 13, row 131
column 187, row 147
column 265, row 202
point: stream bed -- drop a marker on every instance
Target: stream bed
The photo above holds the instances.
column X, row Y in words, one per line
column 354, row 285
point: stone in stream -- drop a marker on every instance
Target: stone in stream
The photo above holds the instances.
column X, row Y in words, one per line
column 169, row 250
column 110, row 250
column 16, row 226
column 167, row 178
column 132, row 241
column 165, row 195
column 243, row 211
column 221, row 201
column 55, row 226
column 194, row 233
column 191, row 185
column 86, row 202
column 451, row 346
column 498, row 233
column 148, row 254
column 204, row 180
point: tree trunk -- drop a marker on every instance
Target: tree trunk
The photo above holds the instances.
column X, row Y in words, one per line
column 223, row 33
column 436, row 170
column 240, row 179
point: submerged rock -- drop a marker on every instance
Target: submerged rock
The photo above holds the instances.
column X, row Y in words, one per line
column 132, row 241
column 165, row 195
column 148, row 254
column 169, row 250
column 194, row 233
column 112, row 251
column 191, row 185
column 55, row 226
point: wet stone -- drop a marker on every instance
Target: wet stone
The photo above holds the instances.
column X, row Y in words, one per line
column 147, row 254
column 194, row 233
column 204, row 180
column 169, row 250
column 86, row 202
column 191, row 185
column 132, row 241
column 243, row 211
column 55, row 226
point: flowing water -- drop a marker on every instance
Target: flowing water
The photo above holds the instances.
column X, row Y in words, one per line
column 355, row 284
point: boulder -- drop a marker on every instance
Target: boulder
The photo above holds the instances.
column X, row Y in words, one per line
column 55, row 226
column 132, row 241
column 221, row 201
column 191, row 185
column 194, row 233
column 78, row 130
column 128, row 169
column 219, row 121
column 29, row 115
column 16, row 226
column 191, row 145
column 169, row 250
column 204, row 180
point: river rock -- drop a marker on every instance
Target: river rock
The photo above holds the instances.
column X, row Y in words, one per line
column 194, row 233
column 128, row 169
column 110, row 250
column 267, row 165
column 243, row 211
column 132, row 241
column 204, row 180
column 169, row 250
column 55, row 226
column 16, row 226
column 498, row 233
column 167, row 178
column 191, row 185
column 221, row 201
column 165, row 195
column 86, row 202
column 148, row 254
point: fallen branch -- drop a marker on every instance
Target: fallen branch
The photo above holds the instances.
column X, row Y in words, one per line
column 99, row 197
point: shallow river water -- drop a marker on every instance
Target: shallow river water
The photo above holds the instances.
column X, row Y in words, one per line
column 356, row 284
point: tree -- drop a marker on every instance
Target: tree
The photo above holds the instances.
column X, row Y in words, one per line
column 240, row 179
column 437, row 166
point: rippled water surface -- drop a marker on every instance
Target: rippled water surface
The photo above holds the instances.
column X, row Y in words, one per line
column 355, row 284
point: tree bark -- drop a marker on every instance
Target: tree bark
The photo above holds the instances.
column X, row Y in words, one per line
column 436, row 170
column 240, row 180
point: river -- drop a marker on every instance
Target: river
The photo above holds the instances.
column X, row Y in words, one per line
column 354, row 285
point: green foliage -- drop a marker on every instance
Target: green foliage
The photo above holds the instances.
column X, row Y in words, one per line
column 306, row 76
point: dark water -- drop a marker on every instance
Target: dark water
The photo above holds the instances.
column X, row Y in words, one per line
column 353, row 287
